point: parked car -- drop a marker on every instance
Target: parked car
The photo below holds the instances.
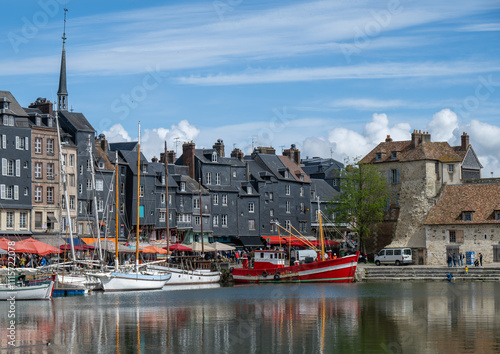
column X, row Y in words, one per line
column 397, row 256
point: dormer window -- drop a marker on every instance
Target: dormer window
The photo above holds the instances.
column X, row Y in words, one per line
column 50, row 122
column 249, row 190
column 183, row 186
column 467, row 215
column 101, row 165
column 214, row 156
column 497, row 215
column 38, row 121
column 451, row 168
column 286, row 174
column 394, row 155
column 378, row 156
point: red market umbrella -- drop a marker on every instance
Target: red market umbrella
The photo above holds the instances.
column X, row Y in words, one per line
column 179, row 247
column 77, row 248
column 36, row 247
column 4, row 244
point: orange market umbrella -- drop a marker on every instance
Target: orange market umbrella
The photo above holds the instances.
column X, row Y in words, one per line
column 154, row 249
column 34, row 246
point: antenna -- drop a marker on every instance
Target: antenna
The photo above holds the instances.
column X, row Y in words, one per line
column 331, row 153
column 176, row 143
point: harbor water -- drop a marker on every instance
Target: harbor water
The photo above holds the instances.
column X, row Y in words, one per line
column 426, row 317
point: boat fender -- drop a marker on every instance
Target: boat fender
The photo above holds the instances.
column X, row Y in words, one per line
column 277, row 276
column 264, row 274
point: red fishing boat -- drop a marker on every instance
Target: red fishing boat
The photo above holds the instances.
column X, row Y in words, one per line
column 271, row 266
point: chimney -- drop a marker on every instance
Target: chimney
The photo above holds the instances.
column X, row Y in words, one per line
column 268, row 150
column 465, row 142
column 416, row 138
column 103, row 143
column 170, row 157
column 44, row 106
column 293, row 154
column 426, row 137
column 188, row 157
column 154, row 159
column 238, row 154
column 219, row 147
column 388, row 139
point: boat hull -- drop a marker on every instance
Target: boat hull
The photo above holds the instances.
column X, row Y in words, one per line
column 181, row 276
column 33, row 292
column 341, row 270
column 133, row 281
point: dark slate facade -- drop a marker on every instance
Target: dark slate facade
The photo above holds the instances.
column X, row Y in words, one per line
column 325, row 169
column 15, row 178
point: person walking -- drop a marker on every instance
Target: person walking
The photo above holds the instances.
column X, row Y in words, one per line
column 455, row 259
column 449, row 260
column 461, row 259
column 481, row 259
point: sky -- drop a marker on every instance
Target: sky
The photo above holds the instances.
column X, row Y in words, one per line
column 332, row 77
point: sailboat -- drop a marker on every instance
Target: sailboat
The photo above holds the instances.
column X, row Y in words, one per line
column 183, row 274
column 269, row 266
column 137, row 277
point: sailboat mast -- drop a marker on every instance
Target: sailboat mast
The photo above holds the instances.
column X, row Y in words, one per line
column 63, row 176
column 167, row 200
column 96, row 211
column 321, row 233
column 201, row 222
column 116, row 209
column 138, row 194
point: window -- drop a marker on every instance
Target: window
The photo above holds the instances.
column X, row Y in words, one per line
column 89, row 167
column 467, row 216
column 38, row 220
column 63, row 202
column 183, row 186
column 99, row 185
column 234, row 173
column 10, row 219
column 196, row 203
column 197, row 220
column 394, row 155
column 271, row 212
column 50, row 146
column 26, row 191
column 251, row 207
column 71, row 160
column 50, row 171
column 378, row 156
column 9, row 192
column 249, row 190
column 101, row 165
column 215, row 198
column 141, row 191
column 497, row 215
column 181, row 202
column 451, row 168
column 81, row 169
column 38, row 170
column 224, row 220
column 89, row 184
column 72, row 180
column 302, row 207
column 4, row 141
column 393, row 176
column 389, row 252
column 100, row 205
column 72, row 199
column 23, row 217
column 162, row 216
column 26, row 164
column 122, row 208
column 50, row 195
column 287, row 207
column 287, row 224
column 214, row 156
column 38, row 145
column 80, row 188
column 453, row 236
column 215, row 220
column 271, row 196
column 208, row 178
column 224, row 199
column 162, row 198
column 251, row 224
column 38, row 194
column 217, row 178
column 287, row 189
column 20, row 143
column 122, row 188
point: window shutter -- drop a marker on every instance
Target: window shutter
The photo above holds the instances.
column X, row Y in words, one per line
column 18, row 168
column 4, row 141
column 389, row 176
column 26, row 143
column 17, row 142
column 397, row 173
column 16, row 192
column 2, row 191
column 4, row 167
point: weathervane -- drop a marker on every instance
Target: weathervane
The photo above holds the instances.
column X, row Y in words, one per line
column 64, row 31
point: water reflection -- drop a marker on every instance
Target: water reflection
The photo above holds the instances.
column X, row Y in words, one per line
column 320, row 318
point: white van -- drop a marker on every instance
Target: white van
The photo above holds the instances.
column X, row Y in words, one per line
column 397, row 256
column 301, row 255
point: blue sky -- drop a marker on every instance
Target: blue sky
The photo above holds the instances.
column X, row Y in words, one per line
column 332, row 77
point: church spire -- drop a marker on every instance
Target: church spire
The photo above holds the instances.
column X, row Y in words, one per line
column 62, row 92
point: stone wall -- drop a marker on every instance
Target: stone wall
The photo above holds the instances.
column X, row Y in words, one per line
column 477, row 238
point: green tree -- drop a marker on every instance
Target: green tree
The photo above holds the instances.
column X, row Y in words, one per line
column 361, row 202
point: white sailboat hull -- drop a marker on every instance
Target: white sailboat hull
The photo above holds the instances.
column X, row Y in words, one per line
column 79, row 281
column 132, row 281
column 33, row 292
column 181, row 276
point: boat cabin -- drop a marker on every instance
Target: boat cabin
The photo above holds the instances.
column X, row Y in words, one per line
column 264, row 259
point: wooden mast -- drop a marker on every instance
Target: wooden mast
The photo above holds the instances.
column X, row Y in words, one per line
column 201, row 222
column 138, row 194
column 117, row 201
column 167, row 200
column 321, row 233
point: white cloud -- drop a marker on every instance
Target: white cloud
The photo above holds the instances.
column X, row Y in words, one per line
column 367, row 103
column 442, row 125
column 117, row 133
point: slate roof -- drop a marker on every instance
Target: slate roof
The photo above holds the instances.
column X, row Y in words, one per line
column 130, row 157
column 482, row 199
column 323, row 190
column 78, row 121
column 202, row 154
column 126, row 146
column 440, row 151
column 15, row 107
